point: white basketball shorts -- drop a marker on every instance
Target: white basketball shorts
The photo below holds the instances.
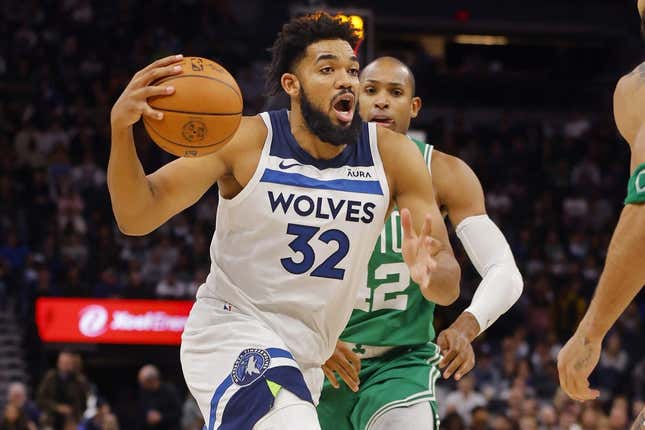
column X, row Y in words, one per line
column 235, row 366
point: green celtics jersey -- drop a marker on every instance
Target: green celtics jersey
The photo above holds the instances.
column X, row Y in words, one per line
column 390, row 310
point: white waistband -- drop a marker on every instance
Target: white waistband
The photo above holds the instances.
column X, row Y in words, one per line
column 369, row 351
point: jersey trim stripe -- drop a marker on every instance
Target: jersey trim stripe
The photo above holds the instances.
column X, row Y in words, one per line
column 298, row 180
column 377, row 162
column 426, row 148
column 250, row 186
column 285, row 146
column 429, row 158
column 219, row 392
column 278, row 352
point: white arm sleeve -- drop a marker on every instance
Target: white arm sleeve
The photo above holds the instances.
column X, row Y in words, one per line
column 501, row 284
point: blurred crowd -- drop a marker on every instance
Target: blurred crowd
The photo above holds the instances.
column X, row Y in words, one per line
column 554, row 184
column 66, row 400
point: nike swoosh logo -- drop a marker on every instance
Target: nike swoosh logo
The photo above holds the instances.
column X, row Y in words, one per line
column 287, row 166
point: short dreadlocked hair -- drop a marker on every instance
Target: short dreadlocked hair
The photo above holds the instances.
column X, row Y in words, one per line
column 294, row 38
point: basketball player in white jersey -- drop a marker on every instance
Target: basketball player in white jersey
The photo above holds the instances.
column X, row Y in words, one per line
column 303, row 196
column 624, row 273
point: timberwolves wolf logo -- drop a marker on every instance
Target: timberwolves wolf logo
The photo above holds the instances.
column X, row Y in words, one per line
column 250, row 365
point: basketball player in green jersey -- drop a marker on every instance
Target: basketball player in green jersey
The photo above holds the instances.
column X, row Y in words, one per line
column 624, row 273
column 387, row 345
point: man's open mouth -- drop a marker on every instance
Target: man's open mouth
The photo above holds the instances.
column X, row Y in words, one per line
column 344, row 108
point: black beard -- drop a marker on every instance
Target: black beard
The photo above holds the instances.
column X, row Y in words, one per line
column 643, row 27
column 320, row 124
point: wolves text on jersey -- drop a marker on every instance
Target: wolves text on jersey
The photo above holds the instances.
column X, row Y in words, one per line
column 322, row 207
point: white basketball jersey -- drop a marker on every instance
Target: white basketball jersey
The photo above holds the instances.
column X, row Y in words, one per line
column 292, row 247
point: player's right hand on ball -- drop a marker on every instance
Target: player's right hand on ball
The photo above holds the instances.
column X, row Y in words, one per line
column 346, row 364
column 133, row 102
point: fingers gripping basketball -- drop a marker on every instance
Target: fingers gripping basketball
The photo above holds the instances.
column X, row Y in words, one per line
column 132, row 104
column 200, row 115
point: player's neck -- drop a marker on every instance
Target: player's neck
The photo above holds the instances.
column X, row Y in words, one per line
column 309, row 141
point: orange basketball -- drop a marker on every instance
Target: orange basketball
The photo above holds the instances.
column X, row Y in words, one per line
column 201, row 115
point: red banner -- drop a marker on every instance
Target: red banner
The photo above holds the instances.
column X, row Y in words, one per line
column 150, row 322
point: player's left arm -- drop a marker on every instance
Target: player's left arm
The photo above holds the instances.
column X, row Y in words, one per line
column 426, row 248
column 624, row 273
column 462, row 195
column 483, row 241
column 621, row 279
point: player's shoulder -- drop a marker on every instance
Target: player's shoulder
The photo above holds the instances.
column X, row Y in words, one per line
column 402, row 161
column 390, row 142
column 253, row 127
column 637, row 72
column 628, row 83
column 626, row 106
column 251, row 133
column 449, row 166
column 453, row 178
column 248, row 140
column 399, row 154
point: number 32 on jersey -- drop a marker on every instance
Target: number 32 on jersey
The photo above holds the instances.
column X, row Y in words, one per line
column 327, row 268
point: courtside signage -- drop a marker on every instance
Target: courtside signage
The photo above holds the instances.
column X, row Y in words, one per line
column 149, row 322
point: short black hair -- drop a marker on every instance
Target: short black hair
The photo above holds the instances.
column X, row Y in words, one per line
column 296, row 35
column 398, row 62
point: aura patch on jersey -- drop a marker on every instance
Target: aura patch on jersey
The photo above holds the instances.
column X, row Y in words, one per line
column 255, row 380
column 636, row 186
